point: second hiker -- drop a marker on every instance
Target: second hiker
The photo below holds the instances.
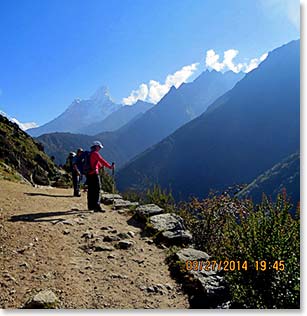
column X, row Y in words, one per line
column 93, row 178
column 77, row 171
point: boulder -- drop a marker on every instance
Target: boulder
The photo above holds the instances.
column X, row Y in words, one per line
column 178, row 237
column 148, row 210
column 207, row 288
column 119, row 204
column 167, row 222
column 107, row 198
column 171, row 227
column 45, row 299
column 191, row 254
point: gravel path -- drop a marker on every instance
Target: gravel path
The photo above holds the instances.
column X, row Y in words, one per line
column 48, row 240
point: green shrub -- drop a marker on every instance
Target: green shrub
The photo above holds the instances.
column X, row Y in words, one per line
column 107, row 182
column 154, row 195
column 133, row 196
column 230, row 229
column 208, row 220
column 270, row 234
column 162, row 198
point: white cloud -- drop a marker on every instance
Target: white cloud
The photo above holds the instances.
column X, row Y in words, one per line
column 229, row 55
column 157, row 91
column 140, row 94
column 254, row 63
column 212, row 61
column 23, row 126
column 154, row 90
column 180, row 76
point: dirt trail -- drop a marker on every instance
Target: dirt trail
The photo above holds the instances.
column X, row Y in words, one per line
column 40, row 238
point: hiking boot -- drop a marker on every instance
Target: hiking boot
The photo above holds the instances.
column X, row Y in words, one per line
column 99, row 209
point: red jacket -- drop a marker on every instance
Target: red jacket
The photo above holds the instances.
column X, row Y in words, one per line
column 97, row 162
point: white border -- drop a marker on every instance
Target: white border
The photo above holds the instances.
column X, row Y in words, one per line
column 205, row 311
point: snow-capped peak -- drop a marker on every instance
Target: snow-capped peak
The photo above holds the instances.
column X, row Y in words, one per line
column 23, row 126
column 101, row 94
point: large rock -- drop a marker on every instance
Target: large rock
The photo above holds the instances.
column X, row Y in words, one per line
column 171, row 227
column 119, row 204
column 192, row 254
column 45, row 299
column 164, row 222
column 177, row 237
column 148, row 210
column 109, row 198
column 207, row 289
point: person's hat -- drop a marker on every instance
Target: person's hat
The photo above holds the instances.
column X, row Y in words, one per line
column 97, row 143
column 80, row 150
column 73, row 154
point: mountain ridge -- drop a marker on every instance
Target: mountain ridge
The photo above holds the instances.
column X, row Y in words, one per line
column 176, row 108
column 207, row 153
column 24, row 159
column 284, row 175
column 80, row 113
column 117, row 119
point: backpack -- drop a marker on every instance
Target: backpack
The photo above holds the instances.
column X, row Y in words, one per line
column 86, row 164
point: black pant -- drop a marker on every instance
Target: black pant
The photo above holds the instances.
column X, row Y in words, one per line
column 76, row 183
column 93, row 191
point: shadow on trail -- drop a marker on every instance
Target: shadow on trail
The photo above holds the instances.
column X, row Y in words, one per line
column 45, row 217
column 49, row 195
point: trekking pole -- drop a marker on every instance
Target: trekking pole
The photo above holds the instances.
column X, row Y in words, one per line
column 113, row 183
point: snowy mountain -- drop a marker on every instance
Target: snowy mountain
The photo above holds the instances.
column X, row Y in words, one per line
column 80, row 113
column 251, row 128
column 117, row 119
column 23, row 126
column 176, row 108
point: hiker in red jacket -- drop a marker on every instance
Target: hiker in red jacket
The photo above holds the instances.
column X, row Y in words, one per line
column 93, row 178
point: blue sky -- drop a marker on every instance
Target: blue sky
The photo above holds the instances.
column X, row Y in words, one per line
column 55, row 51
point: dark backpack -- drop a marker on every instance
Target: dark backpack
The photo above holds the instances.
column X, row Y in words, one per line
column 86, row 164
